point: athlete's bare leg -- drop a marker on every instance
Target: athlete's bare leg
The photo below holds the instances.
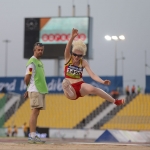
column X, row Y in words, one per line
column 68, row 89
column 87, row 89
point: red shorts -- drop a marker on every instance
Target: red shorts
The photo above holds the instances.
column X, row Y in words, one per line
column 77, row 87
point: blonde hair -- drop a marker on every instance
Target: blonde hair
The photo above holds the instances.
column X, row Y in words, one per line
column 79, row 45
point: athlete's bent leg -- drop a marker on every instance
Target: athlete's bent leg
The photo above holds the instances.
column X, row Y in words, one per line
column 68, row 88
column 87, row 89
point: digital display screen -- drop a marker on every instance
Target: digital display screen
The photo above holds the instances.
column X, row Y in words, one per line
column 54, row 33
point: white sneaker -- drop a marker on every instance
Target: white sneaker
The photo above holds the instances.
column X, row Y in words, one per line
column 35, row 140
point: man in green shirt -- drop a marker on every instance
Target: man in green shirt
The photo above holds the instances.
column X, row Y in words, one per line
column 36, row 89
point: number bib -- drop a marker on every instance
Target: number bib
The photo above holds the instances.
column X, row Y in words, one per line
column 74, row 71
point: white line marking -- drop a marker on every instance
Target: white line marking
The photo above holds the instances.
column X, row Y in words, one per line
column 140, row 144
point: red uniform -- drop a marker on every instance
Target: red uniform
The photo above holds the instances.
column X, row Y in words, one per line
column 74, row 72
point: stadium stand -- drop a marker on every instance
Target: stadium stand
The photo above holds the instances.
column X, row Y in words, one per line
column 92, row 115
column 112, row 112
column 64, row 113
column 2, row 104
column 1, row 95
column 60, row 111
column 134, row 116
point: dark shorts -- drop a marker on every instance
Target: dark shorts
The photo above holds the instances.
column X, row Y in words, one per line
column 77, row 87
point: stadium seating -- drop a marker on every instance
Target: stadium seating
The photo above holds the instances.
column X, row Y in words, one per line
column 1, row 95
column 21, row 115
column 60, row 111
column 135, row 116
column 64, row 113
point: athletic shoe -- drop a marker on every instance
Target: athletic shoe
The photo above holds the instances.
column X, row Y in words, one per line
column 119, row 101
column 35, row 140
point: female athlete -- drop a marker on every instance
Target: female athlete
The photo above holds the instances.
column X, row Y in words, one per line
column 73, row 84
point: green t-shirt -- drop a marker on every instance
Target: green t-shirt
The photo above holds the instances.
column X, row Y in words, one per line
column 39, row 77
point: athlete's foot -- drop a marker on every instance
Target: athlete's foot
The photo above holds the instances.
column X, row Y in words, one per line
column 119, row 101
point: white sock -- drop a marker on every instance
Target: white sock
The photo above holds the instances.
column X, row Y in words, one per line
column 33, row 134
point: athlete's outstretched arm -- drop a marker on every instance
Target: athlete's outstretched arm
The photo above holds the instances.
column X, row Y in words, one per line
column 94, row 76
column 68, row 46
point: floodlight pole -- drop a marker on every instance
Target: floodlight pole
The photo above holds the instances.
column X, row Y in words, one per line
column 115, row 38
column 88, row 10
column 115, row 58
column 122, row 64
column 59, row 11
column 73, row 10
column 122, row 58
column 145, row 63
column 6, row 55
column 58, row 60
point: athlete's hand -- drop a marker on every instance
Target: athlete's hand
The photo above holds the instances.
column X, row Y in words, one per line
column 74, row 33
column 107, row 82
column 25, row 95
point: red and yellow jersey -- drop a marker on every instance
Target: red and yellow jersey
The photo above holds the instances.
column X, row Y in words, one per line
column 71, row 71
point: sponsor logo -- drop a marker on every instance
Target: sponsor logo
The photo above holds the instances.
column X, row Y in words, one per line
column 9, row 86
column 22, row 85
column 61, row 37
column 55, row 85
column 39, row 65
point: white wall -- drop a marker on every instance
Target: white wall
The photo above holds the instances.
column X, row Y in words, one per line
column 113, row 17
